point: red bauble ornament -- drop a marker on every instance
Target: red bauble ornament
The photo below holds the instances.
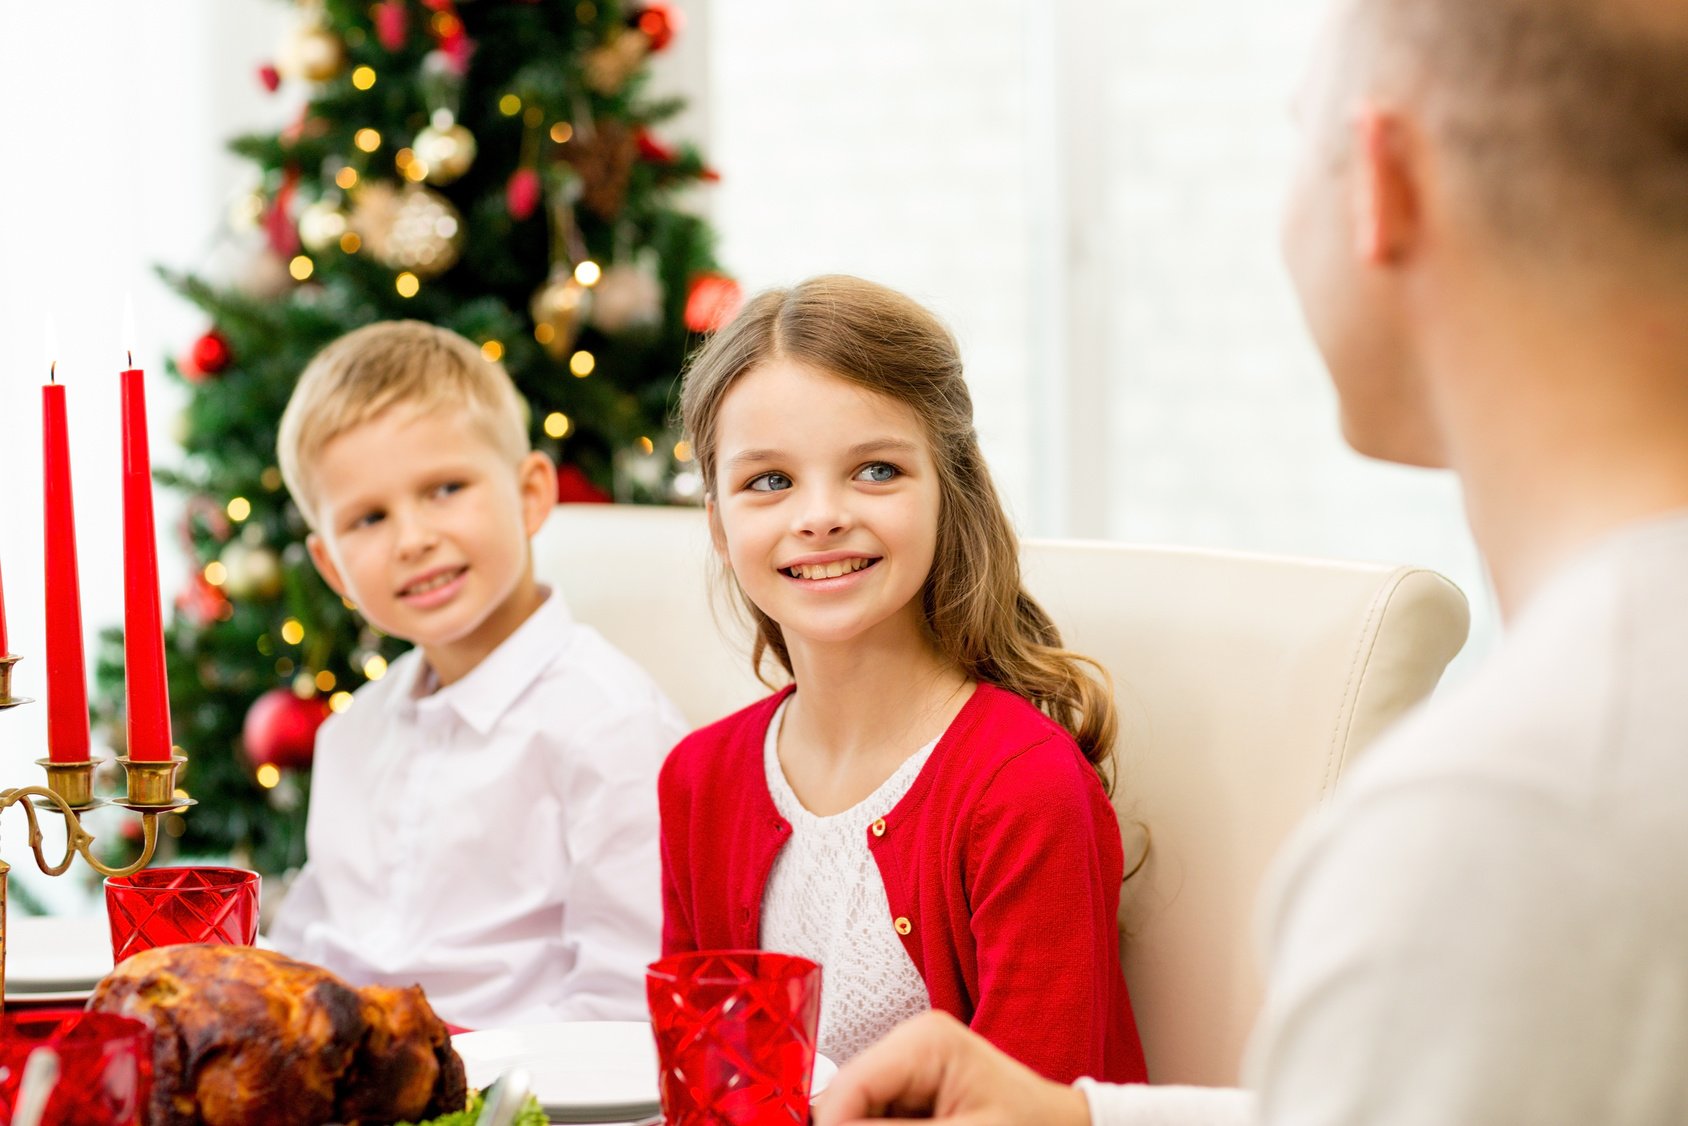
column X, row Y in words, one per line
column 201, row 603
column 574, row 487
column 279, row 230
column 392, row 23
column 652, row 149
column 714, row 300
column 270, row 77
column 280, row 729
column 660, row 23
column 521, row 194
column 210, row 356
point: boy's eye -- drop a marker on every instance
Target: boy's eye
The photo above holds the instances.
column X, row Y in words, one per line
column 768, row 483
column 449, row 487
column 879, row 473
column 366, row 520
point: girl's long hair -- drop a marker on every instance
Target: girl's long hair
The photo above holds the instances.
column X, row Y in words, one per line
column 977, row 610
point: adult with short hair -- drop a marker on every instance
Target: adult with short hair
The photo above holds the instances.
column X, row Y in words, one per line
column 1489, row 235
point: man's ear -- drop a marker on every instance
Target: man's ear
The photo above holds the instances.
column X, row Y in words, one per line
column 717, row 534
column 536, row 477
column 1387, row 191
column 318, row 551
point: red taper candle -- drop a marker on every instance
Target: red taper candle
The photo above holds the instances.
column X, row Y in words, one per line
column 5, row 647
column 144, row 685
column 67, row 683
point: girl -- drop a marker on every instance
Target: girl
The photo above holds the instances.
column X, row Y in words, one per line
column 922, row 811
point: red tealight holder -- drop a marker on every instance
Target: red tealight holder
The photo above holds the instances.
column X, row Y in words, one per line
column 735, row 1036
column 169, row 906
column 104, row 1073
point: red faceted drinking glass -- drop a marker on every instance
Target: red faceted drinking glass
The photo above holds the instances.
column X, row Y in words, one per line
column 167, row 906
column 104, row 1067
column 735, row 1036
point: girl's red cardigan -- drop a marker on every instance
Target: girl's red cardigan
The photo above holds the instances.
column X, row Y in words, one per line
column 1002, row 867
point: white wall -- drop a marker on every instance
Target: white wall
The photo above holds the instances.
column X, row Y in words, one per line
column 116, row 116
column 1088, row 190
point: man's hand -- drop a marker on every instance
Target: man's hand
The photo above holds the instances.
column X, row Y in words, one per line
column 933, row 1067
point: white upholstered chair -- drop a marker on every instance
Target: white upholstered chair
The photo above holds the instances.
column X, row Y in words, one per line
column 1246, row 683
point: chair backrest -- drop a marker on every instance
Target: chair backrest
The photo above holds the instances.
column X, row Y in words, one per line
column 1246, row 683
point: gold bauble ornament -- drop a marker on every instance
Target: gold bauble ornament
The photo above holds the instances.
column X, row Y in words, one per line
column 626, row 297
column 559, row 307
column 410, row 228
column 254, row 572
column 609, row 67
column 446, row 150
column 311, row 52
column 321, row 225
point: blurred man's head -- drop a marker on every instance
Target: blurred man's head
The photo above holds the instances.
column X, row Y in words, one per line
column 1499, row 142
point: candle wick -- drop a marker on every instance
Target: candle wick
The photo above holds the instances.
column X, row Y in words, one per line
column 53, row 372
column 131, row 358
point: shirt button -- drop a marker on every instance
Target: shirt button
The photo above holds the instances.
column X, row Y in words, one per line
column 903, row 925
column 879, row 827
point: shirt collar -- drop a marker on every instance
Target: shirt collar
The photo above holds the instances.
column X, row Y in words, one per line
column 482, row 697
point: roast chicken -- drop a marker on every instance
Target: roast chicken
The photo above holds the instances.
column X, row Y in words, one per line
column 247, row 1037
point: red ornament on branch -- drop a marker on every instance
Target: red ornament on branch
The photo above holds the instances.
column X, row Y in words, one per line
column 713, row 301
column 280, row 729
column 210, row 355
column 660, row 23
column 392, row 24
column 269, row 77
column 652, row 149
column 521, row 194
column 278, row 222
column 201, row 603
column 574, row 487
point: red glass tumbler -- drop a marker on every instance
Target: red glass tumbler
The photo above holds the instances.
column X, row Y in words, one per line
column 735, row 1036
column 104, row 1073
column 167, row 906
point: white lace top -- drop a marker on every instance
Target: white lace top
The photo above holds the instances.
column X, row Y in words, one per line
column 826, row 901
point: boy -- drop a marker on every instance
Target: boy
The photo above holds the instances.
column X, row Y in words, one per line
column 483, row 818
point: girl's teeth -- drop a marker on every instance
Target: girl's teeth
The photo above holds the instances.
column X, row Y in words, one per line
column 828, row 570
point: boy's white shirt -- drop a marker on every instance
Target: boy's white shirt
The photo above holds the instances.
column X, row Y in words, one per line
column 494, row 840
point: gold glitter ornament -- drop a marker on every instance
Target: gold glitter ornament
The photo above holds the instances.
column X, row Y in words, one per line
column 311, row 52
column 254, row 572
column 410, row 228
column 445, row 148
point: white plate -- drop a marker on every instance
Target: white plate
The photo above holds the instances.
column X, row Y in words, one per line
column 583, row 1071
column 49, row 954
column 47, row 996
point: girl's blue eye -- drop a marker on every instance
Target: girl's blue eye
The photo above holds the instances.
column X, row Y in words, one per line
column 879, row 473
column 768, row 483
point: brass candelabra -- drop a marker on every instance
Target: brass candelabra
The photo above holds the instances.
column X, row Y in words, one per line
column 151, row 792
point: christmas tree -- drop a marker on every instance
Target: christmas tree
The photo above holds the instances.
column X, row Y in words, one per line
column 493, row 166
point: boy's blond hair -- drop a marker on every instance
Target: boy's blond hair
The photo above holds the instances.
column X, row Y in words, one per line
column 392, row 363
